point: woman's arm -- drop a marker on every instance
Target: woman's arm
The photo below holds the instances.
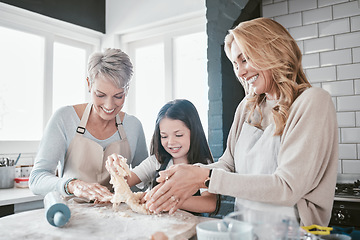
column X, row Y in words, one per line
column 51, row 151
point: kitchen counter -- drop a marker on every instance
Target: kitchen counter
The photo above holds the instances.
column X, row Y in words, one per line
column 21, row 198
column 99, row 221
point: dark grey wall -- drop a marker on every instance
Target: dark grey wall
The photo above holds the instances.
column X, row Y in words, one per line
column 225, row 91
column 85, row 13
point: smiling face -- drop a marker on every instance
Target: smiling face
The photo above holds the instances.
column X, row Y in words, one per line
column 108, row 100
column 259, row 81
column 175, row 138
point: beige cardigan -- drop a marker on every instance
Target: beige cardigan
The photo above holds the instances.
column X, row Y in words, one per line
column 307, row 161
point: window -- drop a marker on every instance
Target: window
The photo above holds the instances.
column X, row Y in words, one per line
column 43, row 67
column 21, row 85
column 170, row 62
column 69, row 75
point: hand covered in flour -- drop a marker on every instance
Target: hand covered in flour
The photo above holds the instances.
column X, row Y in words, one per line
column 177, row 184
column 117, row 164
column 91, row 191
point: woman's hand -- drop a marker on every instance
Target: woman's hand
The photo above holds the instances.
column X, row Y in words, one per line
column 90, row 191
column 177, row 184
column 117, row 164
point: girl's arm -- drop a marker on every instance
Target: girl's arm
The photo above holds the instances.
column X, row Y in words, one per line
column 133, row 179
column 206, row 203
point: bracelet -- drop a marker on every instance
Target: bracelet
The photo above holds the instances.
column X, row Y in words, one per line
column 66, row 186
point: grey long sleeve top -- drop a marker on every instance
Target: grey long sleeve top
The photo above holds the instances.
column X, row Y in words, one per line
column 57, row 137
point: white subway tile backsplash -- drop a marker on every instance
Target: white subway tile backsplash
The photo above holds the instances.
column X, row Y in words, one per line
column 310, row 60
column 290, row 20
column 347, row 151
column 265, row 2
column 298, row 6
column 323, row 3
column 321, row 74
column 335, row 57
column 276, row 9
column 316, row 84
column 357, row 119
column 347, row 40
column 334, row 27
column 328, row 35
column 349, row 71
column 355, row 23
column 346, row 119
column 348, row 103
column 350, row 135
column 351, row 166
column 301, row 46
column 304, row 32
column 346, row 9
column 319, row 44
column 317, row 15
column 357, row 86
column 339, row 88
column 356, row 54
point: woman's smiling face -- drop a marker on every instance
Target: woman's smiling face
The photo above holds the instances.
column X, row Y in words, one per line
column 108, row 100
column 175, row 138
column 259, row 81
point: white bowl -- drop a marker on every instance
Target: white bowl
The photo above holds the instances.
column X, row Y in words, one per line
column 210, row 230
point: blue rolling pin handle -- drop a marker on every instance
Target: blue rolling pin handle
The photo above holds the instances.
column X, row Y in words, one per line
column 59, row 219
column 57, row 212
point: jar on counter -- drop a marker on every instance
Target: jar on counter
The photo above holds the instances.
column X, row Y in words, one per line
column 22, row 182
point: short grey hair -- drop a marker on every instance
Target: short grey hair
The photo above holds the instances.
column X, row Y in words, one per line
column 111, row 64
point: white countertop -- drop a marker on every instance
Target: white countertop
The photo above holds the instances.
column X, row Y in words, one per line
column 98, row 221
column 17, row 195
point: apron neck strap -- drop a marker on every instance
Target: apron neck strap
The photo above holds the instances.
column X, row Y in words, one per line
column 81, row 128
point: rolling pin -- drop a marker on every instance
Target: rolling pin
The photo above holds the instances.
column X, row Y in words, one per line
column 56, row 211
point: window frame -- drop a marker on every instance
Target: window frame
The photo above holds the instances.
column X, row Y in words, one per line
column 164, row 31
column 52, row 30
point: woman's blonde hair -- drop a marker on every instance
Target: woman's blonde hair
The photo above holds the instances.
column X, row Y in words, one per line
column 268, row 46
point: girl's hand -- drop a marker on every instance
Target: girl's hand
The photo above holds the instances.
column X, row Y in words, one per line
column 178, row 183
column 90, row 191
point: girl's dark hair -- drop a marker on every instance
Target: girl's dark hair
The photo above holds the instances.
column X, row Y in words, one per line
column 185, row 111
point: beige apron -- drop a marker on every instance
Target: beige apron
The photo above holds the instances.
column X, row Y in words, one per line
column 256, row 153
column 85, row 159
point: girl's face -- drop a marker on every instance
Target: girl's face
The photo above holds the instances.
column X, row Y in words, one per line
column 175, row 138
column 259, row 81
column 107, row 99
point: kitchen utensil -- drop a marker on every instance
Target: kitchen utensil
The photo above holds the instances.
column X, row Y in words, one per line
column 7, row 175
column 56, row 211
column 17, row 159
column 318, row 230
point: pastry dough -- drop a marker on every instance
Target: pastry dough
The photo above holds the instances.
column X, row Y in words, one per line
column 122, row 191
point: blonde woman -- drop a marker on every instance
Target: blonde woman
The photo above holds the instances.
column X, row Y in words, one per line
column 282, row 149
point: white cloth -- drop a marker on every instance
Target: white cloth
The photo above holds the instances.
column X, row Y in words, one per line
column 251, row 141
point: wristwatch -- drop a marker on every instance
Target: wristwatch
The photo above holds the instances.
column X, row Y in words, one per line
column 207, row 180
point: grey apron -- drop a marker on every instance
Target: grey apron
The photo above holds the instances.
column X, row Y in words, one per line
column 85, row 159
column 256, row 152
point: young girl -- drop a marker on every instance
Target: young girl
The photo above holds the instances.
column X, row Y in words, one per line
column 178, row 139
